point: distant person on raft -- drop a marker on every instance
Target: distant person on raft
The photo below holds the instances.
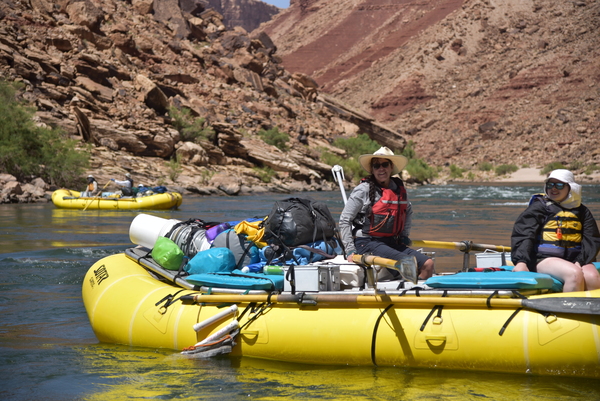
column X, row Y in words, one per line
column 126, row 186
column 92, row 187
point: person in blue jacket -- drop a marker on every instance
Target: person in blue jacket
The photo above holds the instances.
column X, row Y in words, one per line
column 558, row 235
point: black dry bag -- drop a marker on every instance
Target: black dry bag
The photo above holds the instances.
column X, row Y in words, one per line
column 297, row 221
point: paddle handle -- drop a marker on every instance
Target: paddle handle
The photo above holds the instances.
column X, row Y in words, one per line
column 216, row 318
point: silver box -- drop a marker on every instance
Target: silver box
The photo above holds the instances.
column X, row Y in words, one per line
column 313, row 278
column 492, row 259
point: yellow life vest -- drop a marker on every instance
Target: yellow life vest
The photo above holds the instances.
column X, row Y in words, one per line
column 562, row 233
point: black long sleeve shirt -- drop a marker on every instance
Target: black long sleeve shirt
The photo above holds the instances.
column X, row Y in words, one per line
column 527, row 228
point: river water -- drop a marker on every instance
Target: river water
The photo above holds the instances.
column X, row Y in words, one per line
column 48, row 350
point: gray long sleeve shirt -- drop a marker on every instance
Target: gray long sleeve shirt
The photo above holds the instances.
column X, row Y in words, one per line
column 359, row 202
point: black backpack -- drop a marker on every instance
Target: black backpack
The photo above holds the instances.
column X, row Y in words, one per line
column 297, row 221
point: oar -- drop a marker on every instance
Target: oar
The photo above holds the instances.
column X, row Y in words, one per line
column 464, row 246
column 93, row 199
column 338, row 175
column 407, row 266
column 567, row 305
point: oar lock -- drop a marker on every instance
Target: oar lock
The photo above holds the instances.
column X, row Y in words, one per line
column 468, row 246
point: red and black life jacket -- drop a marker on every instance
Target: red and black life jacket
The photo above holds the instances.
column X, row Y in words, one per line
column 388, row 214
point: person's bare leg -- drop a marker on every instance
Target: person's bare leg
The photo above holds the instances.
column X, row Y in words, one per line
column 426, row 270
column 591, row 277
column 570, row 273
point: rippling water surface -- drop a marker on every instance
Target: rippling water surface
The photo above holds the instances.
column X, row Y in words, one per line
column 48, row 350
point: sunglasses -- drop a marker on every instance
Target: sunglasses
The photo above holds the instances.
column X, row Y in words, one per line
column 557, row 185
column 384, row 165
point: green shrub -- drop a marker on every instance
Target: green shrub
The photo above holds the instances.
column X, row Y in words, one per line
column 551, row 166
column 420, row 170
column 591, row 169
column 455, row 171
column 576, row 165
column 486, row 166
column 190, row 128
column 174, row 167
column 27, row 150
column 276, row 138
column 409, row 150
column 265, row 174
column 356, row 146
column 205, row 176
column 417, row 168
column 351, row 167
column 504, row 169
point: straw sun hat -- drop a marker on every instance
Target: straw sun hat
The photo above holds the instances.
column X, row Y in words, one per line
column 398, row 161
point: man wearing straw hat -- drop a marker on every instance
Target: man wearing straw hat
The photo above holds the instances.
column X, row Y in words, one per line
column 377, row 217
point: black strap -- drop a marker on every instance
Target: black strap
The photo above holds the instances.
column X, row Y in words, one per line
column 246, row 250
column 374, row 337
column 505, row 325
column 488, row 302
column 181, row 271
column 290, row 276
column 256, row 310
column 318, row 251
column 169, row 300
column 437, row 308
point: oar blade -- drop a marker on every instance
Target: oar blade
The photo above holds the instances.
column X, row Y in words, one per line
column 571, row 305
column 407, row 266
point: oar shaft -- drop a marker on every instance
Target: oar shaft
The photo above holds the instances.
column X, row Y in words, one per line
column 566, row 305
column 461, row 246
column 375, row 299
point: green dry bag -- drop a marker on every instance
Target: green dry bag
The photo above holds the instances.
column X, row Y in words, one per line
column 167, row 254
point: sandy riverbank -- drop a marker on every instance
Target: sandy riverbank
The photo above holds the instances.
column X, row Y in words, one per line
column 533, row 175
column 524, row 175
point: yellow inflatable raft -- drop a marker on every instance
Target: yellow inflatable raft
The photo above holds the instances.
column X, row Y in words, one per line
column 68, row 199
column 545, row 333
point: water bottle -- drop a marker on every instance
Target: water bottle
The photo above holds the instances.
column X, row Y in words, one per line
column 277, row 270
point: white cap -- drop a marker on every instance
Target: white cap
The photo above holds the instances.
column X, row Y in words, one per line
column 573, row 200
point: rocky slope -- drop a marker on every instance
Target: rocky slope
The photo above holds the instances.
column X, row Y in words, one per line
column 473, row 81
column 107, row 72
column 248, row 14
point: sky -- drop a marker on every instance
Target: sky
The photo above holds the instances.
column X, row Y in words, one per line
column 278, row 3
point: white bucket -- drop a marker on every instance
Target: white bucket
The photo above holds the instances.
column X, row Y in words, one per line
column 145, row 229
